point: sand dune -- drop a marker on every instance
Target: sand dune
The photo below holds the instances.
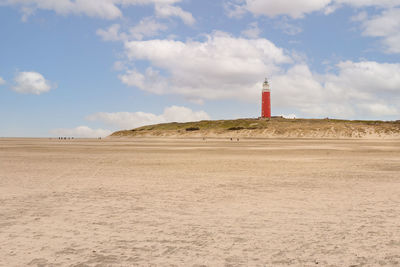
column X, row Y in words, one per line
column 190, row 202
column 274, row 128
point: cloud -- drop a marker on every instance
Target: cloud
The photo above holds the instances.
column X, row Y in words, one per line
column 147, row 27
column 298, row 89
column 368, row 3
column 358, row 89
column 252, row 31
column 361, row 16
column 386, row 26
column 295, row 9
column 112, row 33
column 299, row 8
column 234, row 8
column 30, row 82
column 165, row 11
column 219, row 67
column 368, row 76
column 82, row 132
column 129, row 120
column 288, row 28
column 2, row 81
column 150, row 81
column 380, row 109
column 226, row 67
column 106, row 9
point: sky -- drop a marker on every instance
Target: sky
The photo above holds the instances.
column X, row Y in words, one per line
column 86, row 68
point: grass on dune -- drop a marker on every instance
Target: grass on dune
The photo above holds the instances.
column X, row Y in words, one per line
column 250, row 124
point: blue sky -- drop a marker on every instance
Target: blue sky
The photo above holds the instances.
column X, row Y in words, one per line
column 87, row 68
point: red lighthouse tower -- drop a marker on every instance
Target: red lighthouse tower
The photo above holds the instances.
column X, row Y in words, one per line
column 266, row 101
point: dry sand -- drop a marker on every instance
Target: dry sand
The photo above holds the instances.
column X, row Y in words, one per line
column 143, row 202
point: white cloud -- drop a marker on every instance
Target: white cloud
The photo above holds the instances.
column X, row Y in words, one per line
column 150, row 81
column 147, row 27
column 220, row 67
column 358, row 89
column 234, row 9
column 82, row 132
column 225, row 67
column 386, row 26
column 367, row 3
column 380, row 109
column 299, row 8
column 252, row 31
column 298, row 88
column 166, row 10
column 2, row 81
column 30, row 82
column 100, row 8
column 294, row 9
column 112, row 33
column 129, row 120
column 288, row 28
column 106, row 9
column 361, row 16
column 368, row 76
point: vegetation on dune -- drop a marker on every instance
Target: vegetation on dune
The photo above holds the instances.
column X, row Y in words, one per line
column 203, row 125
column 276, row 126
column 191, row 129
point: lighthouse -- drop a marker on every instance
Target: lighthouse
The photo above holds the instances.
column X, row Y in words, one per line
column 266, row 101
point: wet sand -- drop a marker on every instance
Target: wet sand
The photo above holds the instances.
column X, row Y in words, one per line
column 163, row 202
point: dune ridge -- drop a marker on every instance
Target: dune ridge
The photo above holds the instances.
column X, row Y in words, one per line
column 273, row 128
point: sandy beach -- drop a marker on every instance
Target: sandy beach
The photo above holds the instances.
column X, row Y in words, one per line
column 194, row 202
